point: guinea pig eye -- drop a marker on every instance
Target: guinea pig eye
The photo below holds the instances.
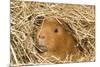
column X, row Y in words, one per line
column 56, row 30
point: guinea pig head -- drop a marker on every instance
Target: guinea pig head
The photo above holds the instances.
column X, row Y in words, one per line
column 53, row 38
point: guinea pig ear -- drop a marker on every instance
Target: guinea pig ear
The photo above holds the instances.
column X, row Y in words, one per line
column 39, row 19
column 73, row 33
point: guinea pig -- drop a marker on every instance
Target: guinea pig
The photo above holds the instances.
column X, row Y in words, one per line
column 54, row 39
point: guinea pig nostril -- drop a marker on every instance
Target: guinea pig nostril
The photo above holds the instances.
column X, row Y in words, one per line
column 42, row 37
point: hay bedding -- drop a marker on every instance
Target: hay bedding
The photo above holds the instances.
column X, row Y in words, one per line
column 24, row 26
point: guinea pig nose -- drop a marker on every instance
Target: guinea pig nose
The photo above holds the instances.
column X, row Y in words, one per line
column 41, row 36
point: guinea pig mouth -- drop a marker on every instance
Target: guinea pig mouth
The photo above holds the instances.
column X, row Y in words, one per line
column 42, row 49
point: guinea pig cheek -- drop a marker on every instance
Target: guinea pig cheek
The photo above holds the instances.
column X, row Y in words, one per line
column 51, row 44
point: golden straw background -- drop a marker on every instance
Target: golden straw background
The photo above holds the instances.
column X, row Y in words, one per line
column 24, row 28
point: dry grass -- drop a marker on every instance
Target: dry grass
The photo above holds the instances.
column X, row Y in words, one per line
column 24, row 27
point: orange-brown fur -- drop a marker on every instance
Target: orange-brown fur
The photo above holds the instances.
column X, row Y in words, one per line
column 57, row 41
